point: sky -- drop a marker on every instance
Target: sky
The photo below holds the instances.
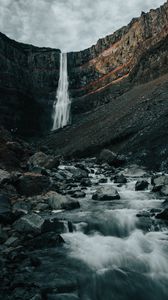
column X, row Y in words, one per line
column 69, row 25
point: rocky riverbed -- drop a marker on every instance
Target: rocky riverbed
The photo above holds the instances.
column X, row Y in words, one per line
column 87, row 229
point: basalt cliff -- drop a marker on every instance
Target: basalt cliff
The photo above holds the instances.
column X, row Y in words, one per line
column 118, row 88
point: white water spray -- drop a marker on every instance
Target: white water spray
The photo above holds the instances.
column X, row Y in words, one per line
column 62, row 101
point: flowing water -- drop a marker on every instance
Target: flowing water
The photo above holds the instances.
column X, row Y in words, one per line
column 62, row 102
column 125, row 256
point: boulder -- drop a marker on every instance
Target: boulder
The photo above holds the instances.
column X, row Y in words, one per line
column 105, row 194
column 78, row 194
column 161, row 180
column 121, row 179
column 40, row 159
column 57, row 201
column 5, row 209
column 86, row 182
column 111, row 158
column 77, row 173
column 54, row 225
column 141, row 185
column 164, row 190
column 4, row 176
column 31, row 223
column 103, row 180
column 45, row 240
column 163, row 215
column 30, row 184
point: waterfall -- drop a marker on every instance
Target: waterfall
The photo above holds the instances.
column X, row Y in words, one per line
column 62, row 102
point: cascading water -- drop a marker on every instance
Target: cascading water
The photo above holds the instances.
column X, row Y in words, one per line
column 62, row 101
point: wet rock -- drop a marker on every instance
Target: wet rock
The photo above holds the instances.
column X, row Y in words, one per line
column 111, row 158
column 144, row 214
column 77, row 173
column 79, row 194
column 44, row 240
column 30, row 184
column 13, row 241
column 141, row 185
column 103, row 180
column 58, row 201
column 120, row 179
column 40, row 159
column 31, row 223
column 163, row 215
column 164, row 190
column 86, row 182
column 5, row 209
column 53, row 225
column 105, row 194
column 4, row 176
column 165, row 203
column 159, row 180
column 134, row 171
column 42, row 207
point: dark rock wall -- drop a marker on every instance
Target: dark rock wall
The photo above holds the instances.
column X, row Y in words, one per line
column 28, row 81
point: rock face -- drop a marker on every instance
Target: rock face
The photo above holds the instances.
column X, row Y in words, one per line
column 135, row 53
column 29, row 78
column 29, row 75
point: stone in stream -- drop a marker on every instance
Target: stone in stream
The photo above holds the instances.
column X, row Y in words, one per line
column 159, row 181
column 57, row 201
column 77, row 173
column 103, row 180
column 120, row 179
column 163, row 215
column 105, row 194
column 40, row 159
column 79, row 194
column 45, row 240
column 141, row 185
column 86, row 182
column 164, row 190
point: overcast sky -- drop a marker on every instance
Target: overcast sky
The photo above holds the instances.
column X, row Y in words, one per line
column 67, row 24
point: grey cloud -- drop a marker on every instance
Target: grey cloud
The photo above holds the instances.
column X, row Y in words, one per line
column 67, row 24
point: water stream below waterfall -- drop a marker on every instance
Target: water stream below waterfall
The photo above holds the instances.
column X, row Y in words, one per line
column 113, row 253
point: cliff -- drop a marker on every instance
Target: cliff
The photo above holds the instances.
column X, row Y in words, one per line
column 132, row 55
column 28, row 80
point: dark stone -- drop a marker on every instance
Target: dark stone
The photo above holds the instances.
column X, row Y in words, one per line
column 45, row 240
column 141, row 185
column 103, row 180
column 120, row 179
column 5, row 210
column 53, row 225
column 106, row 194
column 163, row 215
column 30, row 184
column 86, row 182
